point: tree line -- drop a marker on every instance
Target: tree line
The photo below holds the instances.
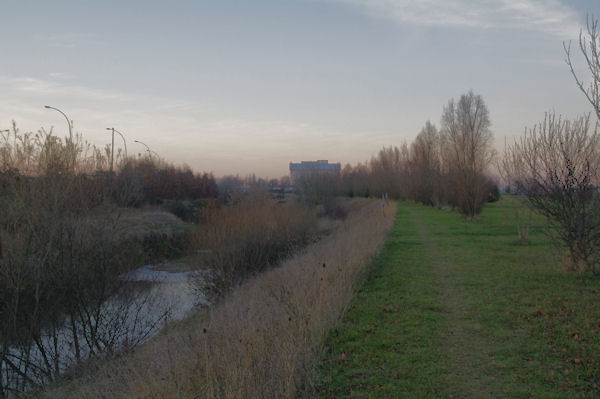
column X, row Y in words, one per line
column 552, row 169
column 448, row 166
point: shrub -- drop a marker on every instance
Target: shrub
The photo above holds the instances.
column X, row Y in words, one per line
column 493, row 193
column 184, row 210
column 333, row 209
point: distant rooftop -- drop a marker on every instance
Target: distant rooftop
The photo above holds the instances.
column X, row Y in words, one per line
column 321, row 164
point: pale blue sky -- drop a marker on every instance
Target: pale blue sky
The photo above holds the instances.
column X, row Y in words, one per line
column 248, row 86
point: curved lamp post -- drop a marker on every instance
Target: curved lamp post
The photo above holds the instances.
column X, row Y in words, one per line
column 112, row 151
column 147, row 148
column 70, row 135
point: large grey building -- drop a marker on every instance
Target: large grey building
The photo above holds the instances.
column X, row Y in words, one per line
column 310, row 168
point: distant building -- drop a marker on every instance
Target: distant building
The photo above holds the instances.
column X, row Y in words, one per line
column 311, row 168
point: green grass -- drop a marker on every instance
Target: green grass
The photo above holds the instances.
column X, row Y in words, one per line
column 452, row 308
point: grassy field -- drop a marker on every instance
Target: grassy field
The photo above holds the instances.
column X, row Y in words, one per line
column 459, row 309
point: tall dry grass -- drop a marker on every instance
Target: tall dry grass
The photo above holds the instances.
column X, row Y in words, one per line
column 259, row 342
column 250, row 235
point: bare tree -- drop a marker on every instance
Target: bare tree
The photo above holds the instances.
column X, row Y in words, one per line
column 426, row 166
column 469, row 152
column 589, row 44
column 511, row 172
column 385, row 172
column 556, row 168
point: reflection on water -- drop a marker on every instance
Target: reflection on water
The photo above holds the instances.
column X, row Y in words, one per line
column 177, row 290
column 148, row 300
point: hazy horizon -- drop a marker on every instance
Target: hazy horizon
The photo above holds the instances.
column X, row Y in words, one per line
column 234, row 87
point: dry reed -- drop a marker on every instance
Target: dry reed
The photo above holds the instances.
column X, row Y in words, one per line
column 260, row 341
column 248, row 236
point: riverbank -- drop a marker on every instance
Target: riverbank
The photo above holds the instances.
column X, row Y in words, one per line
column 260, row 341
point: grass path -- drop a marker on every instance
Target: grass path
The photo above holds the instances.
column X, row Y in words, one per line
column 466, row 348
column 454, row 309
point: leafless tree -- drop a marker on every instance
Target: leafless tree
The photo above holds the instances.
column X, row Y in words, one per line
column 385, row 170
column 556, row 166
column 511, row 172
column 468, row 150
column 426, row 166
column 589, row 44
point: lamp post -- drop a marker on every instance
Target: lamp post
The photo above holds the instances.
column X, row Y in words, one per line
column 112, row 151
column 147, row 148
column 124, row 142
column 70, row 135
column 156, row 154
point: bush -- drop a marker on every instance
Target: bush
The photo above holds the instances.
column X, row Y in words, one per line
column 333, row 209
column 494, row 192
column 184, row 210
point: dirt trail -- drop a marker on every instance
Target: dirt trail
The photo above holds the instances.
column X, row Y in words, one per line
column 467, row 348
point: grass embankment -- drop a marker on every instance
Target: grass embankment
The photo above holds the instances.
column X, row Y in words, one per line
column 260, row 341
column 453, row 308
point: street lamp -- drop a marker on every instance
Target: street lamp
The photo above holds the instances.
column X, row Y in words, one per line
column 147, row 148
column 112, row 151
column 70, row 135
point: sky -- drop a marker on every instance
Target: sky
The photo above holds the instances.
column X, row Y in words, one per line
column 247, row 86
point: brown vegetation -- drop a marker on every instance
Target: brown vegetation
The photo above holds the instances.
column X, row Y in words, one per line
column 245, row 238
column 261, row 341
column 58, row 269
column 142, row 181
column 62, row 252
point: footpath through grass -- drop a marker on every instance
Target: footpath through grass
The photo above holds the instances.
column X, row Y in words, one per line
column 459, row 309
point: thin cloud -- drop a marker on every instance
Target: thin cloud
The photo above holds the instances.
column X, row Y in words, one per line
column 43, row 87
column 60, row 76
column 547, row 16
column 70, row 40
